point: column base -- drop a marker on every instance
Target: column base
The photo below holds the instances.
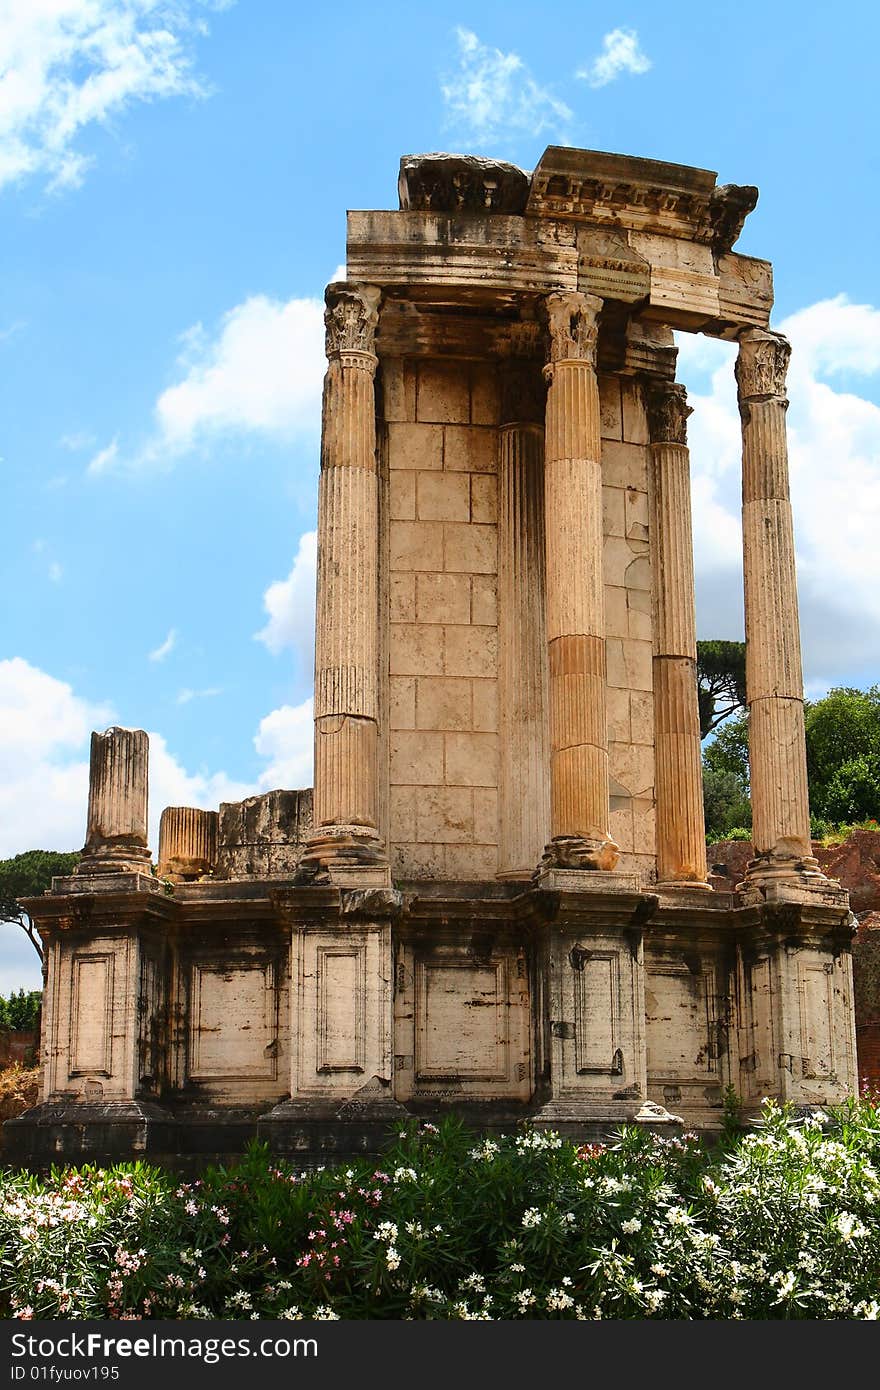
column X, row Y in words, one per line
column 789, row 877
column 576, row 852
column 114, row 859
column 348, row 856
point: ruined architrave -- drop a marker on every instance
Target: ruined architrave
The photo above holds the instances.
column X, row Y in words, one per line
column 496, row 897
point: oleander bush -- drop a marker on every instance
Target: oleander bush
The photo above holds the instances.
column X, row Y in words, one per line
column 779, row 1222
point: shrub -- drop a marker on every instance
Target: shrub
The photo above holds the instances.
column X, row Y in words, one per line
column 781, row 1223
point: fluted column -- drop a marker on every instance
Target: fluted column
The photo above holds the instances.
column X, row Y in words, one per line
column 681, row 834
column 116, row 835
column 347, row 620
column 524, row 780
column 187, row 843
column 774, row 680
column 575, row 601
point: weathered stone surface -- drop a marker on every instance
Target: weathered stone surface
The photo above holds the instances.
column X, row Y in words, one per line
column 461, row 183
column 187, row 843
column 263, row 836
column 639, row 194
column 505, row 638
column 116, row 837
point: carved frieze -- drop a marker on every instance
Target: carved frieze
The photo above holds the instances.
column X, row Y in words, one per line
column 761, row 365
column 461, row 183
column 668, row 411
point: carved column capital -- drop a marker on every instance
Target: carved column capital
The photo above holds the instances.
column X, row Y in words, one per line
column 572, row 321
column 761, row 366
column 351, row 318
column 668, row 410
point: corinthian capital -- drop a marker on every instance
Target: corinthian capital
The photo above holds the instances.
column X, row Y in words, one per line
column 667, row 412
column 351, row 318
column 761, row 365
column 572, row 325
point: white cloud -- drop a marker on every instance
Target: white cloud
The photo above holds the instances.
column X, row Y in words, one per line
column 79, row 439
column 45, row 730
column 186, row 695
column 261, row 372
column 290, row 604
column 172, row 785
column 165, row 648
column 286, row 738
column 493, row 94
column 834, row 447
column 44, row 768
column 620, row 54
column 105, row 458
column 68, row 64
column 55, row 572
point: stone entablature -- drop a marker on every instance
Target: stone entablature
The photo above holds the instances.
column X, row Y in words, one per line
column 496, row 896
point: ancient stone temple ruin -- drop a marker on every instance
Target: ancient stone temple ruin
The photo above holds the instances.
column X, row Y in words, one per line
column 496, row 897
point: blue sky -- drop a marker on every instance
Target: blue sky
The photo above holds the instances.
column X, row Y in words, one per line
column 174, row 180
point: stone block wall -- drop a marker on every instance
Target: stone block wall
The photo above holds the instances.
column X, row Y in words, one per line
column 441, row 454
column 628, row 623
column 441, row 442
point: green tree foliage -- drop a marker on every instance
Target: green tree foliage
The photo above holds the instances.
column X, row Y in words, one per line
column 843, row 763
column 726, row 801
column 843, row 754
column 19, row 1010
column 721, row 682
column 27, row 876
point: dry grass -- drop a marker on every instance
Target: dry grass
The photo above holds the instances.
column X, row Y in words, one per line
column 19, row 1090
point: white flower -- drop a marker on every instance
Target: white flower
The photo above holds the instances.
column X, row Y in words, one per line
column 324, row 1314
column 630, row 1227
column 392, row 1259
column 475, row 1282
column 387, row 1231
column 786, row 1282
column 677, row 1216
column 557, row 1300
column 487, row 1150
column 532, row 1217
column 869, row 1311
column 849, row 1227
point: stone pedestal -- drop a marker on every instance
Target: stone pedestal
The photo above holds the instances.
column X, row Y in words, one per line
column 341, row 1027
column 592, row 962
column 681, row 835
column 575, row 604
column 796, row 1014
column 116, row 834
